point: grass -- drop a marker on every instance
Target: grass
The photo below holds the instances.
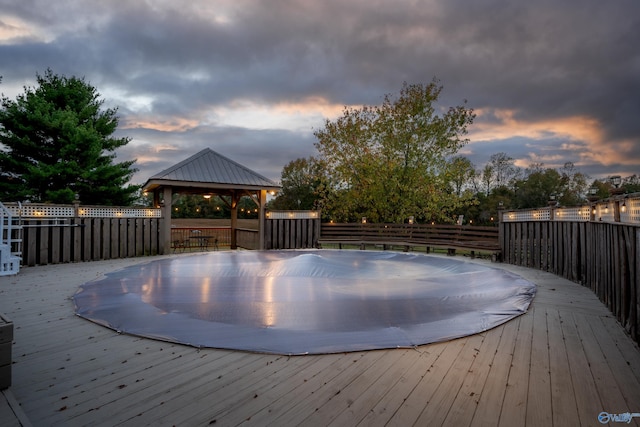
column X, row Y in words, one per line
column 459, row 252
column 251, row 224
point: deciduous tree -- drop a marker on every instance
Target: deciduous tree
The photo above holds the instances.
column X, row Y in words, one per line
column 302, row 183
column 386, row 162
column 461, row 173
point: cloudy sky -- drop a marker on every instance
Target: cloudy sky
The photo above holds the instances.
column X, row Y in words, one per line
column 551, row 81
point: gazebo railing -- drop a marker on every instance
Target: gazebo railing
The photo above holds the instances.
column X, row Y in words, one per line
column 189, row 239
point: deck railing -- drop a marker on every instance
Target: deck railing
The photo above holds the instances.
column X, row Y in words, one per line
column 624, row 209
column 64, row 233
column 597, row 246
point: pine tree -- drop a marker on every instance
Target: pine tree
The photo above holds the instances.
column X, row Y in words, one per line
column 57, row 142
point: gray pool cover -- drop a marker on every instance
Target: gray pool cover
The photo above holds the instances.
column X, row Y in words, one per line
column 304, row 302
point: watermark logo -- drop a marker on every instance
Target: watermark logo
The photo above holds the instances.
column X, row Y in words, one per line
column 626, row 417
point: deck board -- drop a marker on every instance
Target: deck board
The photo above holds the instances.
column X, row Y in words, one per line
column 587, row 393
column 563, row 398
column 514, row 405
column 421, row 396
column 608, row 393
column 393, row 400
column 562, row 363
column 363, row 391
column 539, row 396
column 441, row 401
column 329, row 393
column 464, row 406
column 492, row 396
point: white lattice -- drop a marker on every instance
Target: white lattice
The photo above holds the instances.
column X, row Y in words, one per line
column 43, row 211
column 293, row 215
column 604, row 212
column 115, row 212
column 68, row 211
column 630, row 212
column 528, row 215
column 580, row 213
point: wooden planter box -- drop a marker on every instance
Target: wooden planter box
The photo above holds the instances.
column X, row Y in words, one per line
column 6, row 338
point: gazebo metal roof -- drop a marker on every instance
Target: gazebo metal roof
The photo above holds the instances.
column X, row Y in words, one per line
column 209, row 170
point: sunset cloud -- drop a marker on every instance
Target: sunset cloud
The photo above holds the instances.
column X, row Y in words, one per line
column 550, row 81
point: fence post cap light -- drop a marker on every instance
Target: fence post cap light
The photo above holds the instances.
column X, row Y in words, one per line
column 592, row 194
column 616, row 181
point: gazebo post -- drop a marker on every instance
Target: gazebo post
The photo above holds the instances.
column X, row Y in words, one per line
column 234, row 219
column 262, row 202
column 165, row 233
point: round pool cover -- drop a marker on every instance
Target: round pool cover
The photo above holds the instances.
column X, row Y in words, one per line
column 304, row 302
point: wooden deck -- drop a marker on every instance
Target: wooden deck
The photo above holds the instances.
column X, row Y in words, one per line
column 561, row 364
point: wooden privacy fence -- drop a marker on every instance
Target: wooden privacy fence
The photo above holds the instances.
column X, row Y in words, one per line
column 53, row 234
column 601, row 253
column 291, row 229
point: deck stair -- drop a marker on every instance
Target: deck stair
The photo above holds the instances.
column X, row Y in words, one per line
column 10, row 242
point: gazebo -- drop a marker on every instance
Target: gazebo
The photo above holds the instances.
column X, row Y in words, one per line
column 210, row 173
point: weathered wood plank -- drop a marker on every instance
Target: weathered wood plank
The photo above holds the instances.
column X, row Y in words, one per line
column 440, row 404
column 267, row 406
column 385, row 409
column 431, row 378
column 562, row 393
column 6, row 413
column 514, row 405
column 466, row 402
column 620, row 357
column 91, row 397
column 539, row 409
column 210, row 394
column 587, row 400
column 608, row 396
column 30, row 244
column 377, row 391
column 43, row 245
column 341, row 375
column 492, row 396
column 347, row 405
